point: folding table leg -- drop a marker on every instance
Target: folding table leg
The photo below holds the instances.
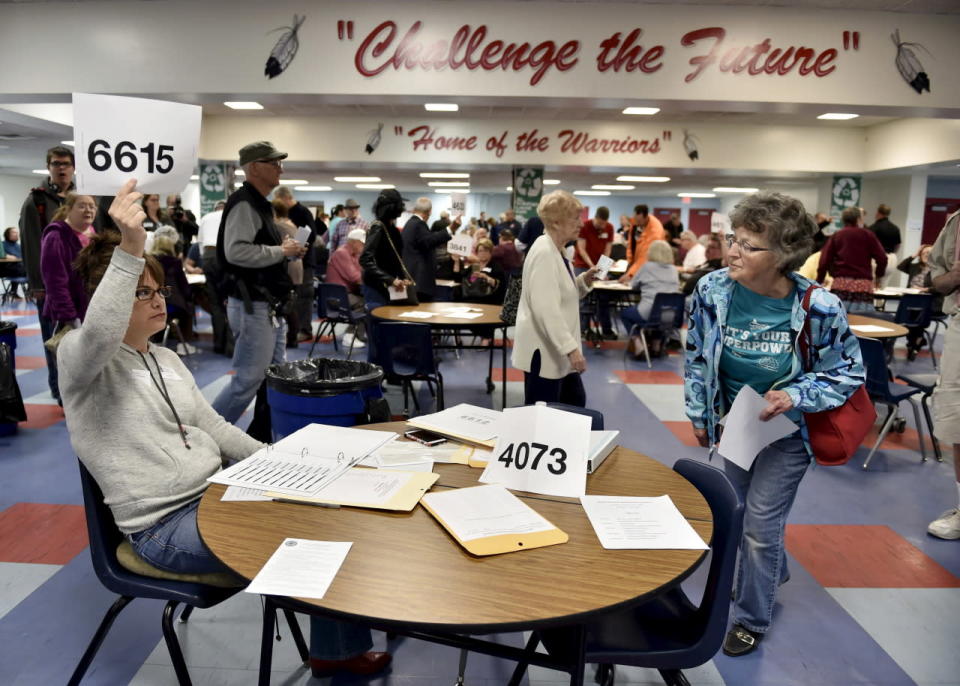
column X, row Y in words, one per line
column 266, row 641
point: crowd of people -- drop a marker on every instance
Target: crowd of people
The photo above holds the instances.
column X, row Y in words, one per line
column 108, row 274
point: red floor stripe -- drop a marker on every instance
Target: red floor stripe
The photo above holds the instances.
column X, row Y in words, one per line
column 871, row 556
column 649, row 376
column 908, row 440
column 42, row 533
column 512, row 374
column 25, row 333
column 31, row 362
column 18, row 313
column 684, row 433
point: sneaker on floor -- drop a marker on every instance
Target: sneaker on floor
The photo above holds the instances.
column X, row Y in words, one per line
column 185, row 349
column 946, row 525
column 349, row 338
column 740, row 641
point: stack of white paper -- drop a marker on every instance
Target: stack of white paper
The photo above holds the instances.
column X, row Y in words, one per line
column 467, row 421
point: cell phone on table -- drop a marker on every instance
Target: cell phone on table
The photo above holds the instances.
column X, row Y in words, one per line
column 425, row 437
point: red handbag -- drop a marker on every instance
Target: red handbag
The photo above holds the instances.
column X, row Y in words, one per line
column 835, row 434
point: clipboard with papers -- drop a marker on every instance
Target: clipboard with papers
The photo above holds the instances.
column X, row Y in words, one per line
column 490, row 520
column 376, row 489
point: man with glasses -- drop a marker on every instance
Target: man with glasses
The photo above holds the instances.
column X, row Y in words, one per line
column 253, row 256
column 37, row 211
column 350, row 222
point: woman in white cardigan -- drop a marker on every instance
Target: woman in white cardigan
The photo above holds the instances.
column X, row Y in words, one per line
column 547, row 338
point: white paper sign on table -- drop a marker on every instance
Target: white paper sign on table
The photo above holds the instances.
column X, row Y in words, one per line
column 603, row 266
column 460, row 245
column 541, row 450
column 744, row 435
column 623, row 522
column 118, row 138
column 300, row 568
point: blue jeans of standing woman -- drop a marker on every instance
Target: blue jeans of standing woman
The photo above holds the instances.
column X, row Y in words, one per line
column 768, row 491
column 174, row 544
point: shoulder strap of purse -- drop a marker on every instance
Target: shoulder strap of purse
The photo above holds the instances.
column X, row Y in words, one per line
column 386, row 232
column 805, row 334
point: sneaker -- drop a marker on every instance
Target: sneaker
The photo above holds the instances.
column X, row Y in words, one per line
column 946, row 526
column 349, row 338
column 185, row 349
column 740, row 641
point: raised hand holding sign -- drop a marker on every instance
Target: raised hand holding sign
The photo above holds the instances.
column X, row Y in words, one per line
column 117, row 137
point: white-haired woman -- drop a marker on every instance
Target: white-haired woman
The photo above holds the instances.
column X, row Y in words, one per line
column 547, row 339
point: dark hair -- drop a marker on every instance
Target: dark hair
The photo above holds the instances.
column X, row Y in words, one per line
column 884, row 210
column 785, row 223
column 850, row 216
column 388, row 206
column 506, row 235
column 61, row 151
column 6, row 232
column 603, row 213
column 641, row 209
column 92, row 262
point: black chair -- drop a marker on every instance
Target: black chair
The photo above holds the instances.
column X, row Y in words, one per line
column 596, row 417
column 668, row 633
column 333, row 307
column 925, row 383
column 666, row 317
column 104, row 539
column 915, row 311
column 405, row 351
column 881, row 389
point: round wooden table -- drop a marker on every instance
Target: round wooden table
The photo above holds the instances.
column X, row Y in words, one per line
column 405, row 572
column 489, row 316
column 891, row 330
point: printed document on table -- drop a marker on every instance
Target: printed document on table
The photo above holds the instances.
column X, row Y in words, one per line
column 416, row 314
column 300, row 568
column 369, row 486
column 469, row 421
column 483, row 511
column 869, row 328
column 461, row 314
column 641, row 523
column 744, row 435
column 240, row 494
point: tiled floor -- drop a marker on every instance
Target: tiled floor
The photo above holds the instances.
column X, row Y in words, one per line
column 872, row 599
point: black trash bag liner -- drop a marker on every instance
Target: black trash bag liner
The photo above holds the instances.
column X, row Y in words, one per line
column 320, row 376
column 11, row 402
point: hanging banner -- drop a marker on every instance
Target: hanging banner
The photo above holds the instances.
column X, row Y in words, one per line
column 844, row 193
column 213, row 186
column 527, row 189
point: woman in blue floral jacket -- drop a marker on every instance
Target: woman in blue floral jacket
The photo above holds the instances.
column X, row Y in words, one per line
column 745, row 324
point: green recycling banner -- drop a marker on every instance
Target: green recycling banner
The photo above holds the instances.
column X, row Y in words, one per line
column 844, row 193
column 213, row 186
column 527, row 189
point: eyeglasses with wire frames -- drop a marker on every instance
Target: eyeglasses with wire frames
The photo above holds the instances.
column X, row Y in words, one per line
column 745, row 247
column 146, row 293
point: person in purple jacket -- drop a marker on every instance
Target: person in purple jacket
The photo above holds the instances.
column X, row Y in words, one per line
column 63, row 239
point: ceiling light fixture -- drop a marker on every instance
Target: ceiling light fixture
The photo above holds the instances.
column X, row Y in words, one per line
column 696, row 195
column 644, row 179
column 441, row 184
column 641, row 110
column 374, row 186
column 510, row 188
column 39, row 171
column 611, row 187
column 839, row 116
column 314, row 188
column 239, row 172
column 444, row 175
column 734, row 189
column 441, row 107
column 450, row 190
column 237, row 184
column 244, row 105
column 195, row 177
column 591, row 192
column 356, row 179
column 293, row 182
column 551, row 182
column 66, row 142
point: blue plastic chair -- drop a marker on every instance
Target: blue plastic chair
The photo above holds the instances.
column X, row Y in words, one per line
column 333, row 307
column 104, row 539
column 405, row 351
column 666, row 317
column 668, row 633
column 915, row 310
column 925, row 383
column 881, row 389
column 596, row 416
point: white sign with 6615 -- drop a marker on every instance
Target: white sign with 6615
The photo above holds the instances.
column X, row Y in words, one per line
column 117, row 138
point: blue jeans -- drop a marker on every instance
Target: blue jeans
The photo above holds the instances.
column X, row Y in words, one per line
column 372, row 299
column 174, row 544
column 258, row 343
column 630, row 316
column 46, row 332
column 768, row 491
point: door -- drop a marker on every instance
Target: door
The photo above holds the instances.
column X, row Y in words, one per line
column 663, row 213
column 935, row 213
column 700, row 221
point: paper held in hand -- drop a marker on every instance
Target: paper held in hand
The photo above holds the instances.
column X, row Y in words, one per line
column 460, row 245
column 603, row 267
column 118, row 138
column 744, row 435
column 541, row 450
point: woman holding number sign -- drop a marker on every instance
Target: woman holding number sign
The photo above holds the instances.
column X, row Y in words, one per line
column 142, row 428
column 745, row 326
column 547, row 340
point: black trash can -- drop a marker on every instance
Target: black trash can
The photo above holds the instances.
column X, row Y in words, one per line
column 8, row 335
column 320, row 391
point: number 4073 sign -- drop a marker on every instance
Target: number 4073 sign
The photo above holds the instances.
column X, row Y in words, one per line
column 541, row 450
column 117, row 138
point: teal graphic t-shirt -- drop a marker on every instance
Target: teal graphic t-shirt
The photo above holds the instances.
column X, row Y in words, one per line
column 757, row 342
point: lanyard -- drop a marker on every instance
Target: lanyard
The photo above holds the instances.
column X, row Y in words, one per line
column 162, row 387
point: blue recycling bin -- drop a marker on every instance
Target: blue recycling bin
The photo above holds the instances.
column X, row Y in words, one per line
column 320, row 391
column 8, row 335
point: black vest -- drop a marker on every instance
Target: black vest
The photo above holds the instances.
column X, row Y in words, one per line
column 270, row 283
